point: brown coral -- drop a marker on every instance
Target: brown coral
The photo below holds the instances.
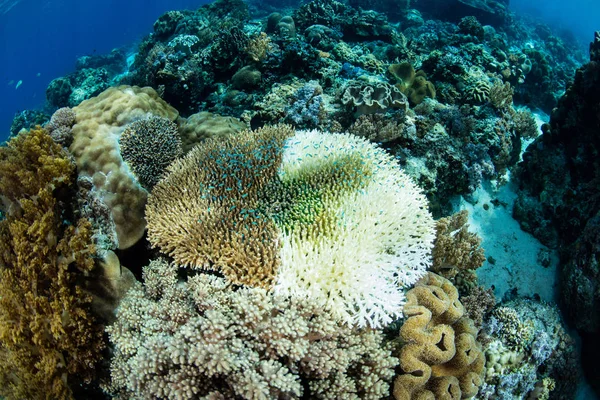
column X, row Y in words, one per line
column 456, row 248
column 203, row 125
column 205, row 212
column 413, row 84
column 32, row 161
column 440, row 358
column 48, row 338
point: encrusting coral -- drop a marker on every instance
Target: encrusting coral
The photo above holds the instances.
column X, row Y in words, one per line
column 323, row 216
column 440, row 357
column 204, row 339
column 48, row 337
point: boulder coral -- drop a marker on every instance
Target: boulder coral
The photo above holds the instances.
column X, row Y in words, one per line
column 440, row 357
column 100, row 122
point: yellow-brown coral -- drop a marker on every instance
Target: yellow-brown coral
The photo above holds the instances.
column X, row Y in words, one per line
column 440, row 357
column 413, row 84
column 258, row 47
column 32, row 161
column 205, row 213
column 48, row 338
column 456, row 248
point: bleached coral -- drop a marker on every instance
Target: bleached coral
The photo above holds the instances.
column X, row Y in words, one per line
column 374, row 239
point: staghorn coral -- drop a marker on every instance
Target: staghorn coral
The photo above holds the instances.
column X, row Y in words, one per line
column 32, row 161
column 100, row 122
column 440, row 358
column 204, row 339
column 455, row 248
column 316, row 214
column 148, row 146
column 48, row 337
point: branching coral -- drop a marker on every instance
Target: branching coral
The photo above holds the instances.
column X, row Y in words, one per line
column 48, row 338
column 440, row 358
column 258, row 47
column 323, row 216
column 455, row 247
column 203, row 338
column 205, row 212
column 30, row 162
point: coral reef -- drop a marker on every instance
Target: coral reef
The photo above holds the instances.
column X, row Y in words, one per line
column 309, row 236
column 558, row 202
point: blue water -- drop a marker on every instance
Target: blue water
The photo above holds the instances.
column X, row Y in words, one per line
column 40, row 41
column 46, row 38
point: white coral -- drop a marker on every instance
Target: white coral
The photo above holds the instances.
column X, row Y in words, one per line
column 378, row 243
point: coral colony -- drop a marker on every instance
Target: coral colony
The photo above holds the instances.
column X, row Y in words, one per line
column 261, row 205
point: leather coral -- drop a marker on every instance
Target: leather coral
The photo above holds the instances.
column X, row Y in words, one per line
column 440, row 357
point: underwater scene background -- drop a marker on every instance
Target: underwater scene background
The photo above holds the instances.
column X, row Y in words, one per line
column 326, row 199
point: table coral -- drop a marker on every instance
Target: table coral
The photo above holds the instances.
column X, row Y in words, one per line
column 441, row 357
column 324, row 216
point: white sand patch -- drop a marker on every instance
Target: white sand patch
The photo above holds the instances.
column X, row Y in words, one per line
column 515, row 255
